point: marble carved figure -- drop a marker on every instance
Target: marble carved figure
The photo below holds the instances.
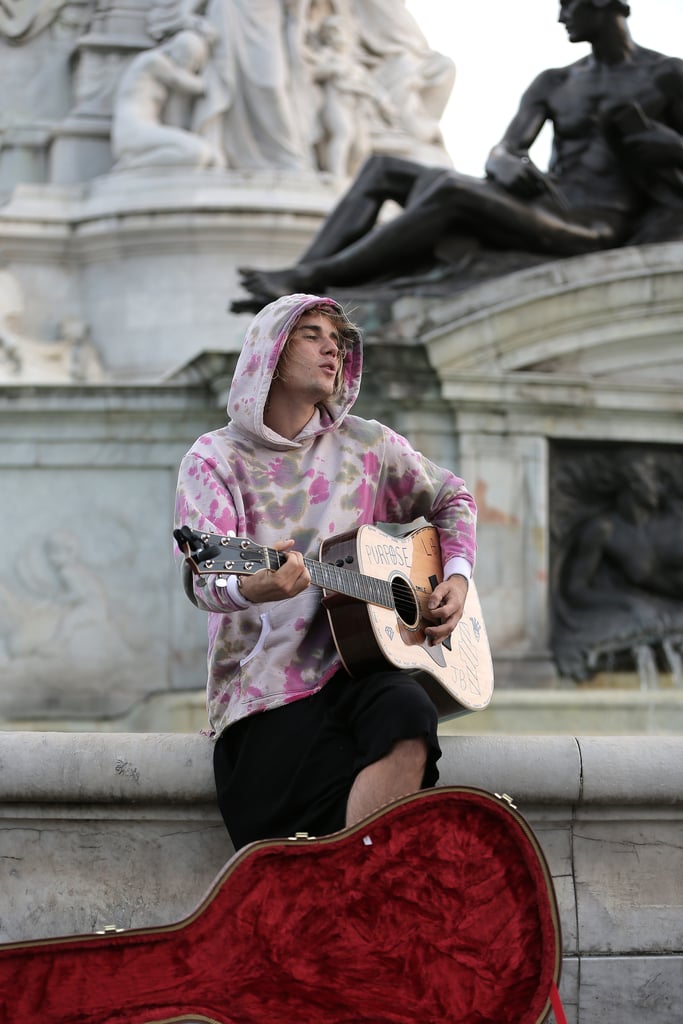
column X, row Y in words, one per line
column 139, row 136
column 414, row 80
column 347, row 104
column 246, row 110
column 22, row 19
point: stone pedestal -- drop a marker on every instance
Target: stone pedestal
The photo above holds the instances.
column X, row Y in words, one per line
column 76, row 143
column 150, row 263
column 93, row 619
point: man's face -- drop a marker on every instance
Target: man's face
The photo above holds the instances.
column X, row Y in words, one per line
column 581, row 18
column 312, row 356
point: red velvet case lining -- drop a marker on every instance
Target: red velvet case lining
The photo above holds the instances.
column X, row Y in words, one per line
column 438, row 909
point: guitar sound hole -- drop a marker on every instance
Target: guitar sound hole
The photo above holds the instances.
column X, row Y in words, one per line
column 404, row 602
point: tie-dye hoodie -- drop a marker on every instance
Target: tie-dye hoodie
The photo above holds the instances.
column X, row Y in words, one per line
column 339, row 473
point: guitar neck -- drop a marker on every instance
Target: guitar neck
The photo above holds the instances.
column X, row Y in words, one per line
column 340, row 580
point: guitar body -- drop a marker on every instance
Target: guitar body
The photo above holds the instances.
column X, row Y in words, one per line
column 458, row 678
column 437, row 908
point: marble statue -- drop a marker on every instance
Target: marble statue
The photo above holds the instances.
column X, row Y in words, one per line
column 288, row 81
column 289, row 85
column 246, row 111
column 615, row 177
column 139, row 136
column 22, row 19
column 380, row 87
column 415, row 80
column 348, row 103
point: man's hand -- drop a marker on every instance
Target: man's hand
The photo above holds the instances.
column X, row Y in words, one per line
column 516, row 174
column 657, row 144
column 446, row 605
column 277, row 584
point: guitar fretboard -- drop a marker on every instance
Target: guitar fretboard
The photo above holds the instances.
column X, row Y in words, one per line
column 338, row 579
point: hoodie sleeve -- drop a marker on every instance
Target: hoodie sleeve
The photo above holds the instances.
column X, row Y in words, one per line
column 412, row 486
column 203, row 502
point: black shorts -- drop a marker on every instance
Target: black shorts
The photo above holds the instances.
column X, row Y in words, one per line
column 291, row 769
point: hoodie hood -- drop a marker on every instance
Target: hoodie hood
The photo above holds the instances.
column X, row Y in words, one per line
column 263, row 344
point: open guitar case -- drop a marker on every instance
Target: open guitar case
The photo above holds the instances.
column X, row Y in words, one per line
column 438, row 908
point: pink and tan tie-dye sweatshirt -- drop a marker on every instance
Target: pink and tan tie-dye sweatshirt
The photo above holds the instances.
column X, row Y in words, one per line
column 339, row 473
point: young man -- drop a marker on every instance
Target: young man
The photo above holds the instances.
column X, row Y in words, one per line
column 617, row 118
column 300, row 746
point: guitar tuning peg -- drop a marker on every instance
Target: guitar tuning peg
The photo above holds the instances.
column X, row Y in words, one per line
column 221, row 581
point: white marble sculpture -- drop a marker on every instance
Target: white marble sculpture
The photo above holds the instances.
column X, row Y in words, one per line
column 347, row 106
column 139, row 136
column 300, row 85
column 415, row 80
column 246, row 110
column 21, row 19
column 261, row 98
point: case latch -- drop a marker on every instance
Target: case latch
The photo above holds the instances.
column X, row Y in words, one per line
column 507, row 798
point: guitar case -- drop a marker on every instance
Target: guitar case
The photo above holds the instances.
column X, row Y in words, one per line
column 438, row 908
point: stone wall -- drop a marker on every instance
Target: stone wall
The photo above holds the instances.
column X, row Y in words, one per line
column 121, row 829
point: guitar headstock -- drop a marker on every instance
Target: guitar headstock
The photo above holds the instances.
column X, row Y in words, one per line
column 212, row 553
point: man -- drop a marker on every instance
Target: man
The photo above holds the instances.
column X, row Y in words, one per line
column 300, row 746
column 617, row 117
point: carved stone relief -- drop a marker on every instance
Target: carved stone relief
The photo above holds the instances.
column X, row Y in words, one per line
column 69, row 357
column 81, row 624
column 20, row 20
column 310, row 85
column 139, row 136
column 617, row 559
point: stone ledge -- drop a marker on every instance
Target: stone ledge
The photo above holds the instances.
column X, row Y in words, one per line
column 123, row 829
column 54, row 767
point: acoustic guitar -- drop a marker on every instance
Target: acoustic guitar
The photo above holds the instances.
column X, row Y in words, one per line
column 375, row 590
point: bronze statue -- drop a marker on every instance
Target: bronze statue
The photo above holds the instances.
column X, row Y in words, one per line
column 615, row 175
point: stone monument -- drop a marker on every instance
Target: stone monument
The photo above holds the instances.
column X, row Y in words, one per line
column 145, row 149
column 148, row 151
column 614, row 185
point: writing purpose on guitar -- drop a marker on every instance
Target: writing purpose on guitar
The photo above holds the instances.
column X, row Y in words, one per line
column 375, row 591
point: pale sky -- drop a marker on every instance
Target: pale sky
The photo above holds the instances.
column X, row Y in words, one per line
column 500, row 45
